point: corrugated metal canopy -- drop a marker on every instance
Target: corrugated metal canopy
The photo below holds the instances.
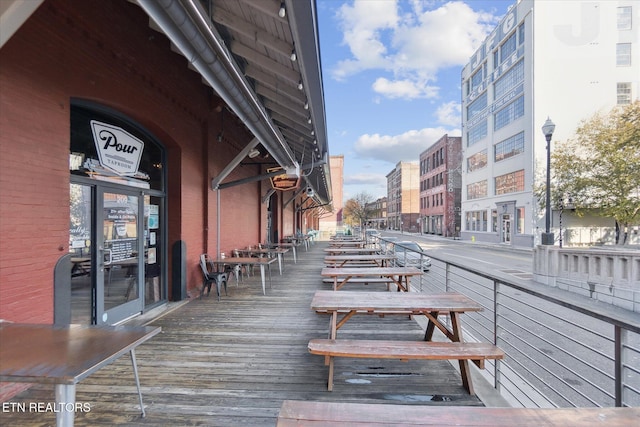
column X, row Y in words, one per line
column 262, row 57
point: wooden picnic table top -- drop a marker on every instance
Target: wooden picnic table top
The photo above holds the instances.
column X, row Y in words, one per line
column 304, row 413
column 351, row 250
column 393, row 302
column 369, row 271
column 359, row 257
column 63, row 354
column 346, row 243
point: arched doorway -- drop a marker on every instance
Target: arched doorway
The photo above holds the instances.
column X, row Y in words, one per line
column 117, row 231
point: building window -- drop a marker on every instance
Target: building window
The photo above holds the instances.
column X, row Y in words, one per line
column 477, row 161
column 476, row 133
column 519, row 220
column 476, row 220
column 510, row 182
column 509, row 113
column 624, row 18
column 477, row 106
column 508, row 48
column 623, row 54
column 494, row 220
column 509, row 147
column 477, row 79
column 476, row 190
column 521, row 34
column 509, row 80
column 624, row 93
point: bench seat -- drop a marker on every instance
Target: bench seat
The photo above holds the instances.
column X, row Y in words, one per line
column 336, row 414
column 364, row 280
column 403, row 350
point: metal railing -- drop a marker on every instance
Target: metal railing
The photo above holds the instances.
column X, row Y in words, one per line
column 561, row 349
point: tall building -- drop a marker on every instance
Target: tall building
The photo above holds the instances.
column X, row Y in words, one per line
column 403, row 197
column 564, row 60
column 440, row 184
column 331, row 221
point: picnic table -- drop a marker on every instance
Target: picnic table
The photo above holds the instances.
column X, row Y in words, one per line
column 350, row 251
column 261, row 262
column 65, row 355
column 362, row 260
column 349, row 304
column 347, row 243
column 400, row 276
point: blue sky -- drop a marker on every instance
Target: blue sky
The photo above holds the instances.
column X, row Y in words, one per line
column 391, row 74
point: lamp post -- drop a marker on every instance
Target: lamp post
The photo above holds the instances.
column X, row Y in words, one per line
column 547, row 236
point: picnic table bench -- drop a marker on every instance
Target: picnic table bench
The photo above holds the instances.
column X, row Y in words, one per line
column 403, row 350
column 336, row 414
column 349, row 304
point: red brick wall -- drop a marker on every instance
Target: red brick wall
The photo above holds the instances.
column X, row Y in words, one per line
column 102, row 51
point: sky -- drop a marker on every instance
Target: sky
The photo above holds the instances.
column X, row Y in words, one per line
column 391, row 73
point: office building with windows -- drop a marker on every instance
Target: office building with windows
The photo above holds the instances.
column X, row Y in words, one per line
column 440, row 187
column 403, row 197
column 563, row 60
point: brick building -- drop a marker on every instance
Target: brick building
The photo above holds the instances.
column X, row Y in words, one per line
column 403, row 194
column 440, row 186
column 133, row 141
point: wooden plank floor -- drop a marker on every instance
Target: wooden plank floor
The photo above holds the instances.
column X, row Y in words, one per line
column 233, row 362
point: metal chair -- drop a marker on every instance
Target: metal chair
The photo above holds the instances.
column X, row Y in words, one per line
column 210, row 277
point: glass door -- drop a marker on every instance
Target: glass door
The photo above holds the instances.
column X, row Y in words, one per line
column 506, row 229
column 120, row 255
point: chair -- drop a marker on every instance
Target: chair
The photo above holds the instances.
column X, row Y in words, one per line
column 209, row 278
column 239, row 268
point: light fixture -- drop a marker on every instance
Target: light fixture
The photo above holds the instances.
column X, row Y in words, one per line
column 309, row 120
column 315, row 142
column 282, row 12
column 300, row 87
column 253, row 153
column 547, row 236
column 220, row 137
column 313, row 132
column 293, row 55
column 306, row 105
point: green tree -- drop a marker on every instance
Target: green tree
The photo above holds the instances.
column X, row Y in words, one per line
column 355, row 209
column 600, row 167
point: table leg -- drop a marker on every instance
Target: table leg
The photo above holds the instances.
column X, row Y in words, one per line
column 262, row 277
column 465, row 371
column 280, row 263
column 65, row 399
column 135, row 374
column 295, row 258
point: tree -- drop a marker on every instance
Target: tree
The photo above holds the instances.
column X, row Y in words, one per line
column 600, row 167
column 355, row 209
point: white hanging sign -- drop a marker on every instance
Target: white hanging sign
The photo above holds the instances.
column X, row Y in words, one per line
column 118, row 150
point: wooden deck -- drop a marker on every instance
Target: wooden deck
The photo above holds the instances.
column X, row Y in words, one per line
column 233, row 362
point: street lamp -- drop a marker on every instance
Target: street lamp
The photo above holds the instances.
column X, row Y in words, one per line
column 547, row 236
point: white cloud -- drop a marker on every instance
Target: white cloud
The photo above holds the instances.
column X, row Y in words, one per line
column 395, row 148
column 408, row 44
column 406, row 89
column 450, row 114
column 375, row 179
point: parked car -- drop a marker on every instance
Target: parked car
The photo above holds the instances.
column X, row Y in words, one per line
column 372, row 232
column 410, row 254
column 386, row 244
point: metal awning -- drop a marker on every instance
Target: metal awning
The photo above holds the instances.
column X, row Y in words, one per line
column 262, row 58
